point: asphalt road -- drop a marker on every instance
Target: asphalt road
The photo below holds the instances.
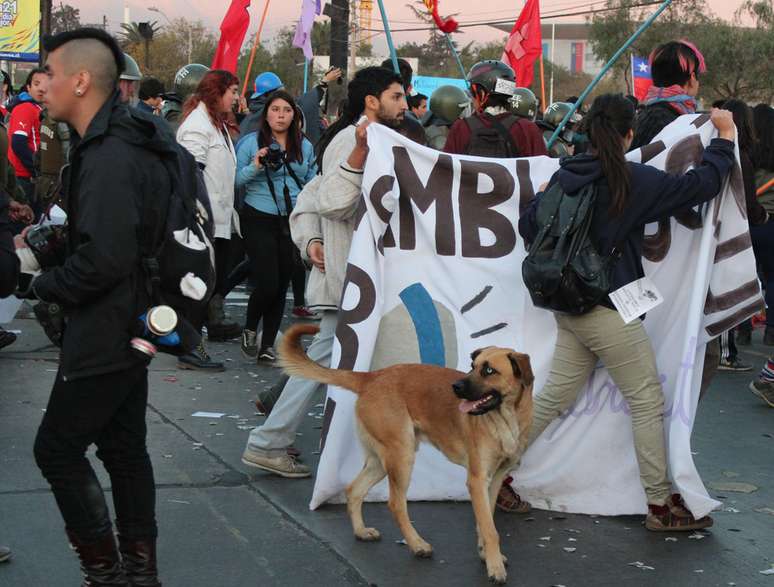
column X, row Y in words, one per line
column 222, row 525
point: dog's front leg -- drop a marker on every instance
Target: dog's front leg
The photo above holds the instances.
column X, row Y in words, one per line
column 478, row 485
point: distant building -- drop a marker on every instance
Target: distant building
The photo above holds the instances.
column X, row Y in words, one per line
column 572, row 49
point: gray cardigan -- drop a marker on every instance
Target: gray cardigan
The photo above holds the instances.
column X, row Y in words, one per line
column 325, row 211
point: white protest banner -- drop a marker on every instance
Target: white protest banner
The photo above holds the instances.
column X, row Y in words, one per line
column 435, row 273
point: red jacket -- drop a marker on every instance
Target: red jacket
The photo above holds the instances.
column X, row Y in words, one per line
column 525, row 133
column 25, row 122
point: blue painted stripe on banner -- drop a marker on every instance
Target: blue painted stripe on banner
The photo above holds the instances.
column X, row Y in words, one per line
column 426, row 323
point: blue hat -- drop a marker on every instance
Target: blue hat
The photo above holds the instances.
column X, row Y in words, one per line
column 265, row 83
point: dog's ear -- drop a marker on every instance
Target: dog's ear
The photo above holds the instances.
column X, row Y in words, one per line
column 475, row 353
column 522, row 368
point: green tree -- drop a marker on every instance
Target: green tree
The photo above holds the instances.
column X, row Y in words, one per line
column 738, row 57
column 611, row 29
column 169, row 49
column 130, row 33
column 64, row 18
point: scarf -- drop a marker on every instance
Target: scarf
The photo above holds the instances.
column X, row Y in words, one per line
column 681, row 102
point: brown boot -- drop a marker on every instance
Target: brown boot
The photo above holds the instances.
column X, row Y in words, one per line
column 510, row 501
column 100, row 563
column 139, row 558
column 674, row 516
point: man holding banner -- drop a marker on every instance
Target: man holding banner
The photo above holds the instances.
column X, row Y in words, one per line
column 322, row 225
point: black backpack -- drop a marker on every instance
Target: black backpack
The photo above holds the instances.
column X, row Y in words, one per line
column 492, row 141
column 179, row 243
column 563, row 270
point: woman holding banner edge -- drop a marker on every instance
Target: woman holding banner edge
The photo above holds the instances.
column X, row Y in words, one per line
column 629, row 195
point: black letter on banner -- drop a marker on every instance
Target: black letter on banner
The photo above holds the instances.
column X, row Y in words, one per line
column 681, row 156
column 476, row 210
column 438, row 190
column 686, row 153
column 381, row 188
column 365, row 305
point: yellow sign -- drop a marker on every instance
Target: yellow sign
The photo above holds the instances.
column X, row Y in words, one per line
column 19, row 30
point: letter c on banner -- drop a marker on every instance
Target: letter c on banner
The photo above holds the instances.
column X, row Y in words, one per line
column 685, row 153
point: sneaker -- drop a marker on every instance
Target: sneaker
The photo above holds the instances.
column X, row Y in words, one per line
column 267, row 355
column 764, row 390
column 249, row 344
column 304, row 313
column 5, row 554
column 674, row 517
column 284, row 465
column 733, row 365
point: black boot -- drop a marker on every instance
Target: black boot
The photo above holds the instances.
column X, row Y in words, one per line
column 139, row 558
column 199, row 360
column 768, row 336
column 219, row 328
column 100, row 563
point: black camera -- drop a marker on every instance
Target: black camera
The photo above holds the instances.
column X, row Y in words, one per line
column 274, row 158
column 49, row 244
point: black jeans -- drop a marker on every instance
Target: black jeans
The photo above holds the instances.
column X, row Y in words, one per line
column 270, row 251
column 298, row 280
column 108, row 411
column 763, row 245
column 223, row 262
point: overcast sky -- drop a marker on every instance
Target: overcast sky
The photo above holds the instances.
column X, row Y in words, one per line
column 285, row 12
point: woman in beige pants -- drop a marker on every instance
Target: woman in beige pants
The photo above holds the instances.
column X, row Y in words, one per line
column 629, row 196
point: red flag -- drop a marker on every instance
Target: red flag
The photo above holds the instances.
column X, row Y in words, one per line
column 232, row 33
column 525, row 44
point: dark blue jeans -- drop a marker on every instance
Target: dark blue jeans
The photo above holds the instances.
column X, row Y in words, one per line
column 108, row 411
column 763, row 245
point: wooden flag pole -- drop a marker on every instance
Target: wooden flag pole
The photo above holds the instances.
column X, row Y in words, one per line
column 256, row 42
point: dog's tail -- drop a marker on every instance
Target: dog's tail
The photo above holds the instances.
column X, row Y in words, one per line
column 296, row 363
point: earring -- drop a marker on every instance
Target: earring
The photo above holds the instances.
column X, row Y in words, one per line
column 78, row 93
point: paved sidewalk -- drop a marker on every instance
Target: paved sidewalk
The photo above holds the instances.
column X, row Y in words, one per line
column 222, row 525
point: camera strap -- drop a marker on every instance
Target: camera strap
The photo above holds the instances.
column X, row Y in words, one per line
column 274, row 194
column 285, row 191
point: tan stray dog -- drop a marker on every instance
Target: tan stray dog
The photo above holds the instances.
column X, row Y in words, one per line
column 479, row 420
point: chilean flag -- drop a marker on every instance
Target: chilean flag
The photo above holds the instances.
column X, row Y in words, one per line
column 641, row 77
column 232, row 33
column 525, row 44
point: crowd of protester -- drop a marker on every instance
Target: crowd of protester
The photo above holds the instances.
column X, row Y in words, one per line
column 283, row 181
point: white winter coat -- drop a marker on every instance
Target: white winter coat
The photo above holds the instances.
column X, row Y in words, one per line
column 214, row 150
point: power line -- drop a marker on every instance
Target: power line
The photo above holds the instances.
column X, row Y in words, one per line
column 557, row 5
column 512, row 20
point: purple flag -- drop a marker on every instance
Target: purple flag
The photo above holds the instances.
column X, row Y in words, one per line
column 303, row 36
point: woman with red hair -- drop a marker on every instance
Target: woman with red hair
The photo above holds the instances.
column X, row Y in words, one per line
column 204, row 133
